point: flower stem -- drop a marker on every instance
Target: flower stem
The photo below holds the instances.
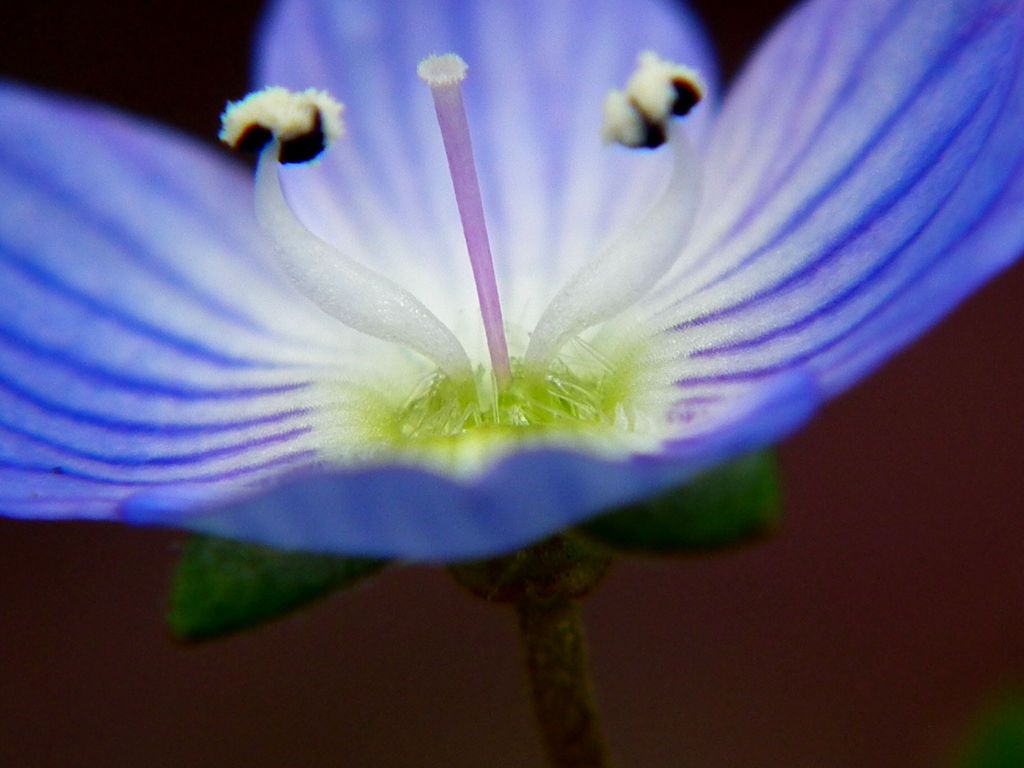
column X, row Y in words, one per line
column 545, row 583
column 560, row 681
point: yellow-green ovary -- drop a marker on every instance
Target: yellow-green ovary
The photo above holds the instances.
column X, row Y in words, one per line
column 569, row 405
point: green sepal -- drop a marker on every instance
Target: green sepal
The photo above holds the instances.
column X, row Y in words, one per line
column 223, row 586
column 730, row 505
column 999, row 741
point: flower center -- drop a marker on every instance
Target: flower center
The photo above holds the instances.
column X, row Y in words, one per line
column 561, row 385
column 579, row 392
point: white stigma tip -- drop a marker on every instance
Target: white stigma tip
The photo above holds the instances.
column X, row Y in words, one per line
column 304, row 123
column 439, row 71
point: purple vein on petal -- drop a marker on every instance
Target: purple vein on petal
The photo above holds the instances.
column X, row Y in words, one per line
column 970, row 228
column 858, row 227
column 243, row 248
column 127, row 243
column 398, row 167
column 887, row 27
column 376, row 200
column 100, row 374
column 136, row 426
column 243, row 231
column 883, row 303
column 991, row 153
column 751, row 146
column 50, row 281
column 900, row 295
column 156, row 460
column 854, row 75
column 813, row 201
column 288, row 460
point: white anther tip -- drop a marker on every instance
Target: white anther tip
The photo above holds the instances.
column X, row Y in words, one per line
column 622, row 123
column 303, row 123
column 439, row 71
column 661, row 88
column 657, row 91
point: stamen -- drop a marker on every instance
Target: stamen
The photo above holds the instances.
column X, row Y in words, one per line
column 625, row 271
column 624, row 125
column 304, row 123
column 657, row 90
column 348, row 291
column 444, row 75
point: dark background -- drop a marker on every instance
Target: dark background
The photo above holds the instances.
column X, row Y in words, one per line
column 889, row 610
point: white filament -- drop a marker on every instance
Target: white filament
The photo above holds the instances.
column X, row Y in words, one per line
column 357, row 296
column 623, row 273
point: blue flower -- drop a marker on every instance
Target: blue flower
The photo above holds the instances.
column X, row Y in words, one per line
column 861, row 177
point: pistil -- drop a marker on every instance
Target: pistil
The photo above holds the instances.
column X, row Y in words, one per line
column 444, row 75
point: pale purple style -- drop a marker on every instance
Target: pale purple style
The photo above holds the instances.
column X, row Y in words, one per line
column 458, row 147
column 864, row 174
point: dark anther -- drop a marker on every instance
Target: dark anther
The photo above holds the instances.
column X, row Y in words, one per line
column 304, row 148
column 687, row 97
column 253, row 139
column 654, row 135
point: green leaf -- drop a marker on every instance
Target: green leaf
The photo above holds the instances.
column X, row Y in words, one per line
column 724, row 507
column 223, row 586
column 999, row 742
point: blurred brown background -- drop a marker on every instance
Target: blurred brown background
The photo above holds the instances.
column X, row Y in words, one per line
column 867, row 634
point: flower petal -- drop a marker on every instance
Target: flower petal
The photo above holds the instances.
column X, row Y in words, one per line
column 538, row 75
column 144, row 338
column 853, row 203
column 414, row 514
